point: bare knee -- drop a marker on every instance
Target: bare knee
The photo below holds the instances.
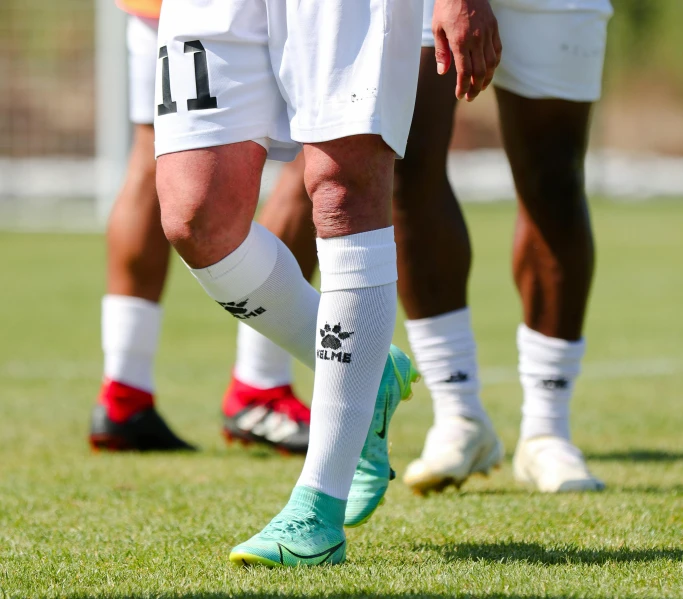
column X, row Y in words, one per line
column 208, row 198
column 349, row 181
column 419, row 180
column 552, row 190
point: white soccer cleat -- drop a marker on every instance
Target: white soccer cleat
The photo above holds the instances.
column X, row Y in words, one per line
column 553, row 465
column 456, row 449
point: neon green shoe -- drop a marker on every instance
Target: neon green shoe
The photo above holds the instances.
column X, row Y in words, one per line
column 373, row 472
column 308, row 532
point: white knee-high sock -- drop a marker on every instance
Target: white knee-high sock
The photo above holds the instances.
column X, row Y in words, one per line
column 130, row 337
column 261, row 284
column 548, row 368
column 260, row 362
column 355, row 324
column 446, row 355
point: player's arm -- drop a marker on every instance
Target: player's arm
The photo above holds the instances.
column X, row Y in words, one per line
column 469, row 29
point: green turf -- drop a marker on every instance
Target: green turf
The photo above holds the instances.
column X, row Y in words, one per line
column 74, row 524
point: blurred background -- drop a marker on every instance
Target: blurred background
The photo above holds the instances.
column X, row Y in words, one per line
column 64, row 129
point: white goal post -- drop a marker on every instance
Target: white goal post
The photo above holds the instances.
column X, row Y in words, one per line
column 112, row 127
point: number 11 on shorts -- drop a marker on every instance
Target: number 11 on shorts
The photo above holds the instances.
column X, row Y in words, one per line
column 204, row 99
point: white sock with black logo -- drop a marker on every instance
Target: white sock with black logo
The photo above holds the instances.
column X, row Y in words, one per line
column 260, row 362
column 130, row 337
column 446, row 356
column 355, row 324
column 261, row 284
column 548, row 368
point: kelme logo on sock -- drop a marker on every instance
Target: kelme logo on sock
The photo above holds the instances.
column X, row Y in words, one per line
column 240, row 310
column 553, row 384
column 331, row 341
column 458, row 377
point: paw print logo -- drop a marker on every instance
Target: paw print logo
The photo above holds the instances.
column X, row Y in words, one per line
column 333, row 336
column 235, row 308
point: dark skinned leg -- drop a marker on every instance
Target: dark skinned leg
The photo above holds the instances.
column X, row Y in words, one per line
column 553, row 266
column 434, row 264
column 260, row 363
column 553, row 258
column 288, row 214
column 137, row 265
column 434, row 254
column 138, row 252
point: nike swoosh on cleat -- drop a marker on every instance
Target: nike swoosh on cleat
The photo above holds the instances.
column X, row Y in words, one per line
column 383, row 433
column 322, row 557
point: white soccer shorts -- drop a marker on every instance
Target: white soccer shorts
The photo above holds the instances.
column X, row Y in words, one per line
column 142, row 64
column 546, row 54
column 287, row 71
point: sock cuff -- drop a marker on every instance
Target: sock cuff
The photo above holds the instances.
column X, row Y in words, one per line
column 129, row 302
column 457, row 322
column 357, row 261
column 246, row 268
column 539, row 354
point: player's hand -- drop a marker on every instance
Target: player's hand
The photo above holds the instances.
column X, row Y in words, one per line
column 469, row 29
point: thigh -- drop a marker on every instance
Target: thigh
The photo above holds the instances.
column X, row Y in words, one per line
column 552, row 54
column 432, row 124
column 350, row 69
column 215, row 83
column 543, row 133
column 142, row 64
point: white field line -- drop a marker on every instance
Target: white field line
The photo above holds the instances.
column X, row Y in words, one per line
column 65, row 370
column 478, row 175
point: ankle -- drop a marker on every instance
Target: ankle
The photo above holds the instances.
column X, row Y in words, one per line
column 122, row 401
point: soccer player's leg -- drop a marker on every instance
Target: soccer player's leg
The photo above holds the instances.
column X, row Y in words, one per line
column 434, row 259
column 212, row 136
column 137, row 263
column 349, row 179
column 260, row 404
column 545, row 118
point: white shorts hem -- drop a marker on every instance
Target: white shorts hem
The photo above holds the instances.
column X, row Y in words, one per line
column 218, row 136
column 546, row 94
column 278, row 150
column 331, row 132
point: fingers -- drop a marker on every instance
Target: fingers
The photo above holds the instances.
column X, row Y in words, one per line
column 442, row 52
column 491, row 61
column 479, row 72
column 468, row 29
column 497, row 44
column 463, row 66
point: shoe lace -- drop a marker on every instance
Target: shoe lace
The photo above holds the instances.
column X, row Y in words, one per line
column 293, row 528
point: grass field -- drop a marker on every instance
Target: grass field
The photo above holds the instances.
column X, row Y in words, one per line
column 78, row 525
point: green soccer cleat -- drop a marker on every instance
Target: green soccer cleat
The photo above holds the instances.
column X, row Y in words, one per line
column 373, row 472
column 307, row 532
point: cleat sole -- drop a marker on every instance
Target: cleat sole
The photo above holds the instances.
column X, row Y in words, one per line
column 231, row 438
column 249, row 559
column 437, row 483
column 246, row 440
column 370, row 515
column 105, row 442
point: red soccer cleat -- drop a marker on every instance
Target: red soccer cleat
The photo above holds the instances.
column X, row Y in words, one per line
column 125, row 419
column 275, row 417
